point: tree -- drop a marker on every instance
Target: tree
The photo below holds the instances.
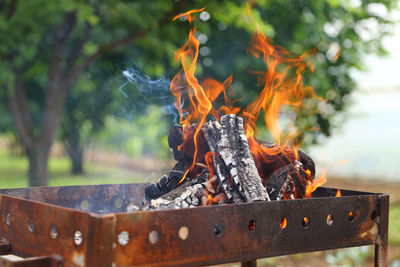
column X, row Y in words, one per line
column 46, row 46
column 87, row 105
column 340, row 32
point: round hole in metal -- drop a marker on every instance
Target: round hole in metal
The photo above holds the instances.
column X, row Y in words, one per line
column 153, row 237
column 283, row 223
column 218, row 229
column 306, row 221
column 123, row 238
column 8, row 219
column 85, row 205
column 183, row 232
column 352, row 216
column 118, row 203
column 53, row 232
column 251, row 225
column 31, row 226
column 78, row 238
column 374, row 214
column 329, row 219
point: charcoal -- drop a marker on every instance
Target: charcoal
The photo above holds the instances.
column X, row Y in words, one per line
column 175, row 136
column 178, row 155
column 152, row 191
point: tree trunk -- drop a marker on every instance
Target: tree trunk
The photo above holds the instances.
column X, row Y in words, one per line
column 75, row 153
column 38, row 158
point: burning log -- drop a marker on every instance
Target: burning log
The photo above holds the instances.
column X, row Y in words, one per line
column 284, row 172
column 228, row 168
column 232, row 158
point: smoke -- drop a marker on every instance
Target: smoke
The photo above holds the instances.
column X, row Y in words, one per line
column 147, row 91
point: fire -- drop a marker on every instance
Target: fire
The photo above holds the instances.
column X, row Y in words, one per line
column 313, row 185
column 200, row 97
column 338, row 193
column 188, row 15
column 283, row 92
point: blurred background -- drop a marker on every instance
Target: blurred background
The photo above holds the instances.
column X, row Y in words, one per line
column 85, row 97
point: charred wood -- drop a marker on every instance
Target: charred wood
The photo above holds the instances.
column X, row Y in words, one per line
column 238, row 170
column 273, row 165
column 189, row 194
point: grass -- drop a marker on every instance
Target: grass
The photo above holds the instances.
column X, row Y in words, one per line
column 13, row 173
column 394, row 224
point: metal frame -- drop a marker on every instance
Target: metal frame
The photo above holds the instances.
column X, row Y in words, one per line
column 199, row 236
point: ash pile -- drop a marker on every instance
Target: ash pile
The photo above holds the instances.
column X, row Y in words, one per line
column 223, row 166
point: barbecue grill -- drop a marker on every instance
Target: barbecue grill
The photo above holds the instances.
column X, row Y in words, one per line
column 89, row 226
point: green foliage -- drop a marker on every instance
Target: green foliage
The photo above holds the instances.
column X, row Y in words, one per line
column 328, row 26
column 142, row 135
column 86, row 107
column 394, row 224
column 26, row 41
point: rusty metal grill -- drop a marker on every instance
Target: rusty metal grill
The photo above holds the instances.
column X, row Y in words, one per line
column 89, row 226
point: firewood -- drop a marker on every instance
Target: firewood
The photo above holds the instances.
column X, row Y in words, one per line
column 188, row 194
column 274, row 167
column 239, row 172
column 227, row 140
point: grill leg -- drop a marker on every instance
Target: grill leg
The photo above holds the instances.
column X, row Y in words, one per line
column 381, row 247
column 249, row 263
column 380, row 256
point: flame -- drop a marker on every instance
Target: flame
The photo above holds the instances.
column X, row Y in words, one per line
column 313, row 185
column 283, row 93
column 188, row 14
column 338, row 193
column 201, row 97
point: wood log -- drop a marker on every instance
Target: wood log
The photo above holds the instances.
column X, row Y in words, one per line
column 191, row 193
column 239, row 172
column 236, row 176
column 164, row 185
column 273, row 165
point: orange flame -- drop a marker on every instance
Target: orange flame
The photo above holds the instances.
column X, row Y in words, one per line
column 188, row 14
column 313, row 185
column 282, row 84
column 283, row 92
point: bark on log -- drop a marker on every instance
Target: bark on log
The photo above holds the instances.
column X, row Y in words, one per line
column 239, row 179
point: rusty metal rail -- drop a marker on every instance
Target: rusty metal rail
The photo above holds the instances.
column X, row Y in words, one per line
column 89, row 226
